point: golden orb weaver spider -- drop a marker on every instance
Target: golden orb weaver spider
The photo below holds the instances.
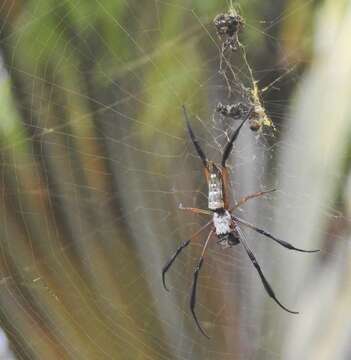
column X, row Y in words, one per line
column 223, row 224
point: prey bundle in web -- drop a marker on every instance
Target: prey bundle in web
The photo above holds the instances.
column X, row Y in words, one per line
column 243, row 91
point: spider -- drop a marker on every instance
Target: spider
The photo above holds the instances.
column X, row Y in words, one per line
column 224, row 225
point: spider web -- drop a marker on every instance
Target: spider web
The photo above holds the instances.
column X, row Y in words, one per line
column 96, row 160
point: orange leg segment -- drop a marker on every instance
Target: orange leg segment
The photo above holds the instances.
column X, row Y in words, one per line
column 195, row 210
column 244, row 199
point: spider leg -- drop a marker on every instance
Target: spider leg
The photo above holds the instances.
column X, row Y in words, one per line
column 183, row 245
column 244, row 199
column 195, row 210
column 265, row 283
column 194, row 140
column 228, row 148
column 193, row 290
column 267, row 234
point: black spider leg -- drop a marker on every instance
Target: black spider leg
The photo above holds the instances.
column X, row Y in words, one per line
column 228, row 148
column 267, row 234
column 193, row 290
column 194, row 140
column 265, row 283
column 183, row 245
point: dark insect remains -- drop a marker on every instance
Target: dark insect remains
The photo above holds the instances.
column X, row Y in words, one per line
column 228, row 26
column 238, row 110
column 224, row 226
column 235, row 111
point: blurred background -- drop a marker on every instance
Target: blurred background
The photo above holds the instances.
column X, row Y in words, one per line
column 95, row 160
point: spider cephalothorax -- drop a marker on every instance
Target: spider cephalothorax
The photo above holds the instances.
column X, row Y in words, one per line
column 224, row 224
column 225, row 230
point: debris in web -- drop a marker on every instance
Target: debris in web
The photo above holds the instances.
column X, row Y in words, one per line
column 235, row 111
column 243, row 94
column 259, row 117
column 228, row 26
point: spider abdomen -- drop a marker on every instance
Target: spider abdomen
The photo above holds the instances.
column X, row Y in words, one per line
column 215, row 188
